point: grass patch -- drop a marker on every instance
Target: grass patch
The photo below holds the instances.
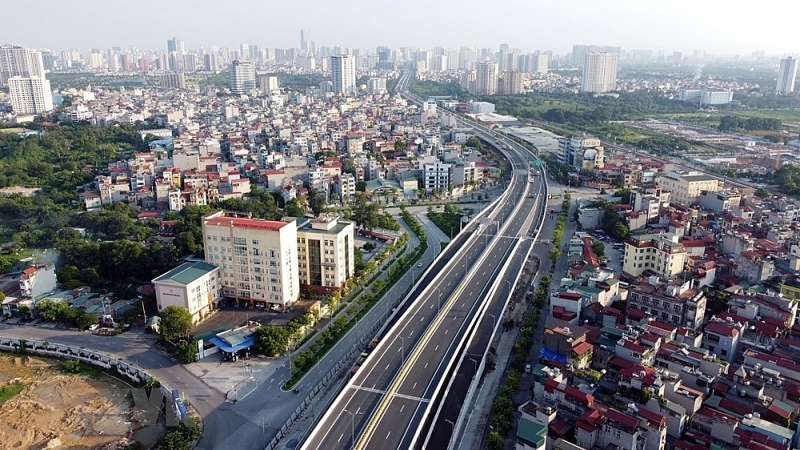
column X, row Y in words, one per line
column 443, row 245
column 9, row 391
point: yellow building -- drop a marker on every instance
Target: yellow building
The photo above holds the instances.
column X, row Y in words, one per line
column 685, row 187
column 325, row 252
column 660, row 253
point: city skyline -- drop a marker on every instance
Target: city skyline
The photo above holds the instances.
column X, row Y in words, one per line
column 521, row 24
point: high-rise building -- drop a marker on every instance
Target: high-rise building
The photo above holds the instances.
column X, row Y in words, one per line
column 175, row 45
column 17, row 61
column 242, row 76
column 305, row 37
column 125, row 60
column 512, row 83
column 211, row 62
column 787, row 73
column 486, row 78
column 268, row 85
column 579, row 52
column 257, row 258
column 343, row 73
column 30, row 95
column 376, row 85
column 600, row 72
column 173, row 80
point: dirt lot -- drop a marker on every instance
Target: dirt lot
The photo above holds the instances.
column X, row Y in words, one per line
column 62, row 411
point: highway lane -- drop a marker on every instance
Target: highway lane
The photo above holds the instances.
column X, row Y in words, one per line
column 365, row 391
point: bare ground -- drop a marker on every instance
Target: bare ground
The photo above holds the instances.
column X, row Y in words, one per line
column 63, row 411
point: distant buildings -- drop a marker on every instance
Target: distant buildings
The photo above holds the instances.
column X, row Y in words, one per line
column 242, row 76
column 17, row 61
column 787, row 73
column 512, row 83
column 600, row 72
column 685, row 187
column 343, row 72
column 268, row 85
column 579, row 52
column 706, row 97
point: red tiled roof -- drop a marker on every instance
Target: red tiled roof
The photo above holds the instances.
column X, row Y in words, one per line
column 582, row 348
column 652, row 418
column 721, row 329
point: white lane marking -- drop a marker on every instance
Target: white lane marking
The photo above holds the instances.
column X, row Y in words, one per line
column 445, row 331
column 414, row 386
column 426, row 366
column 340, row 438
column 387, row 435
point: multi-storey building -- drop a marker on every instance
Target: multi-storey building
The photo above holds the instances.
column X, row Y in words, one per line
column 787, row 74
column 173, row 80
column 660, row 253
column 257, row 258
column 686, row 187
column 600, row 72
column 343, row 74
column 677, row 304
column 436, row 177
column 324, row 252
column 486, row 78
column 192, row 285
column 609, row 428
column 17, row 61
column 512, row 83
column 242, row 77
column 30, row 95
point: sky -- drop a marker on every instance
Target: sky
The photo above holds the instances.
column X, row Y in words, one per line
column 716, row 26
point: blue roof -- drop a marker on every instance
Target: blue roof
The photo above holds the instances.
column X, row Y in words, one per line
column 226, row 347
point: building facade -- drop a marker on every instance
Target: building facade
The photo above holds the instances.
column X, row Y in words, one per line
column 659, row 253
column 17, row 61
column 685, row 187
column 257, row 258
column 486, row 78
column 325, row 252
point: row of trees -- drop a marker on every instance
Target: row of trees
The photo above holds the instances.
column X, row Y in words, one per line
column 730, row 123
column 58, row 311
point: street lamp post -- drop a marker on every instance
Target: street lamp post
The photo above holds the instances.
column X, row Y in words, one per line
column 352, row 426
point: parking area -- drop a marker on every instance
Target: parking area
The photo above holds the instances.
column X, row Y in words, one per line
column 232, row 316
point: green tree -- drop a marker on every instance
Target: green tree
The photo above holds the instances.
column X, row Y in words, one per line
column 318, row 202
column 494, row 441
column 271, row 340
column 186, row 352
column 475, row 143
column 761, row 192
column 176, row 323
column 365, row 213
column 620, row 230
column 5, row 264
column 293, row 209
column 400, row 145
column 50, row 310
column 599, row 248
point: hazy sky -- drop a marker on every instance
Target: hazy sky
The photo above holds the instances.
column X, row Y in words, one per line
column 717, row 26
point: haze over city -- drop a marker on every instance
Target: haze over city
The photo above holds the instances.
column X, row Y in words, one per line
column 682, row 25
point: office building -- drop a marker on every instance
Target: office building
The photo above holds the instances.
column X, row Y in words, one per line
column 30, row 95
column 343, row 72
column 17, row 61
column 305, row 37
column 787, row 73
column 324, row 252
column 257, row 258
column 486, row 78
column 210, row 62
column 242, row 77
column 192, row 285
column 600, row 72
column 173, row 80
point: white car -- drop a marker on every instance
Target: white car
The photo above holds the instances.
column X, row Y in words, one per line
column 419, row 264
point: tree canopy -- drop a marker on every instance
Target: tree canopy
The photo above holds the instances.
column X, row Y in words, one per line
column 176, row 323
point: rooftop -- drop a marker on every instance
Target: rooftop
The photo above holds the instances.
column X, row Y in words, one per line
column 187, row 273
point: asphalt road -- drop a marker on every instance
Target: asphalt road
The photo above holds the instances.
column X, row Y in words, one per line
column 387, row 400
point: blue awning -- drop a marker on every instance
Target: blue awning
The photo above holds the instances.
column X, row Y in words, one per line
column 226, row 347
column 552, row 356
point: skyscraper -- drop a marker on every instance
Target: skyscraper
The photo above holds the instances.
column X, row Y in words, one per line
column 30, row 95
column 343, row 72
column 175, row 45
column 513, row 83
column 242, row 76
column 304, row 38
column 787, row 73
column 600, row 72
column 486, row 78
column 17, row 61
